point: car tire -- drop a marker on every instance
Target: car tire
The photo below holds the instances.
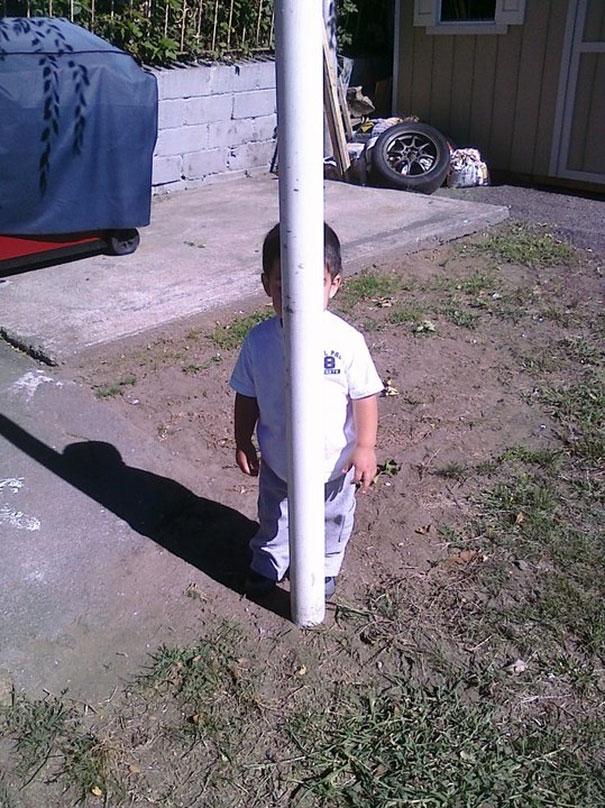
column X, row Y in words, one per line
column 122, row 242
column 410, row 157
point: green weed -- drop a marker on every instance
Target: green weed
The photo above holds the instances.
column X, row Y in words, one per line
column 89, row 767
column 581, row 410
column 34, row 727
column 523, row 244
column 562, row 317
column 390, row 468
column 474, row 284
column 525, row 506
column 114, row 389
column 194, row 368
column 405, row 314
column 487, row 467
column 451, row 471
column 204, row 677
column 461, row 317
column 566, row 605
column 230, row 336
column 549, row 459
column 6, row 799
column 539, row 362
column 581, row 350
column 366, row 286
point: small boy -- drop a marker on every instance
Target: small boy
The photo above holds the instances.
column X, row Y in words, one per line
column 351, row 386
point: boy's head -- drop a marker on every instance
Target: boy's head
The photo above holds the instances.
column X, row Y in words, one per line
column 271, row 276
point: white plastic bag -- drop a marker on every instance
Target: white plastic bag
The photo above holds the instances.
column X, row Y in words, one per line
column 467, row 169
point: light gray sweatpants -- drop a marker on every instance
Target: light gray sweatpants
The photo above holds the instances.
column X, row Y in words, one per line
column 270, row 546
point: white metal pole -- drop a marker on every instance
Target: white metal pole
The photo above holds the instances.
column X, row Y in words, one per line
column 301, row 204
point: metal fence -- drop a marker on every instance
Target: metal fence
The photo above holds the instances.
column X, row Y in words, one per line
column 159, row 31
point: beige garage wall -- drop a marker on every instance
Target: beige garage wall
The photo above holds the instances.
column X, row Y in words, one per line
column 497, row 92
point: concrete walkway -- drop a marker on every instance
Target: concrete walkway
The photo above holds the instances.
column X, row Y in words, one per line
column 90, row 579
column 202, row 251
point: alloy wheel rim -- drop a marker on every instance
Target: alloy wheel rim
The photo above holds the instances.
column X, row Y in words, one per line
column 411, row 154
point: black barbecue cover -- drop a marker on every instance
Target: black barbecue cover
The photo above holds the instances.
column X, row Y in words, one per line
column 78, row 124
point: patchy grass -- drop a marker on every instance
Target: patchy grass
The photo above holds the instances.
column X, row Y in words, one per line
column 522, row 512
column 451, row 471
column 530, row 246
column 90, row 768
column 230, row 336
column 34, row 727
column 405, row 314
column 115, row 388
column 204, row 677
column 194, row 368
column 47, row 736
column 566, row 606
column 541, row 361
column 428, row 746
column 473, row 284
column 367, row 286
column 581, row 350
column 580, row 408
column 6, row 799
column 461, row 317
column 550, row 459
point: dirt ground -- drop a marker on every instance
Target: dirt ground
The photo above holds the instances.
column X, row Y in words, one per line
column 464, row 649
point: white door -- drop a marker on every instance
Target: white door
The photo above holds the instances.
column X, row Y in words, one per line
column 579, row 144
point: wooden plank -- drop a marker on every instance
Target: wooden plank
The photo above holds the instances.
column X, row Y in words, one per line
column 441, row 83
column 333, row 113
column 462, row 80
column 586, row 141
column 422, row 75
column 505, row 96
column 549, row 87
column 531, row 72
column 344, row 109
column 482, row 101
column 406, row 60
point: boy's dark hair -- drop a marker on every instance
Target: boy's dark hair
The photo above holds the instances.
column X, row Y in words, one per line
column 332, row 258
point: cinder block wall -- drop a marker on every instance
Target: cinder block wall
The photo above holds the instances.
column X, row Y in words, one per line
column 214, row 120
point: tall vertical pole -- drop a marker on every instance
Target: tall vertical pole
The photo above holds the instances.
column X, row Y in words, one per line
column 301, row 204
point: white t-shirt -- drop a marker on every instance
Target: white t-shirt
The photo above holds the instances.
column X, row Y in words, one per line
column 349, row 373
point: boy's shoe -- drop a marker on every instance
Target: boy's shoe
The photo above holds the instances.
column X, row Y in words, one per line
column 258, row 585
column 330, row 586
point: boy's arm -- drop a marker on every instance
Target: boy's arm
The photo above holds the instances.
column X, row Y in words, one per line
column 363, row 457
column 246, row 416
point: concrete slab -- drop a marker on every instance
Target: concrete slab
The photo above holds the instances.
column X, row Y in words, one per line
column 92, row 576
column 202, row 251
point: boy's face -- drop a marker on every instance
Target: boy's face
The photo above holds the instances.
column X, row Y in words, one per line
column 272, row 286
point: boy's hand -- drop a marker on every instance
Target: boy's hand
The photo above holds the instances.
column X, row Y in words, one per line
column 363, row 458
column 247, row 459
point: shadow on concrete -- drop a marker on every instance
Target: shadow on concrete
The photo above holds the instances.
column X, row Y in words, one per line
column 210, row 536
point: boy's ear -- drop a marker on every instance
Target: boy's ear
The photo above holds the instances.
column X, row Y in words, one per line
column 335, row 285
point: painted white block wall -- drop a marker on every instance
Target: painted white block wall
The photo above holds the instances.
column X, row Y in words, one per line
column 215, row 120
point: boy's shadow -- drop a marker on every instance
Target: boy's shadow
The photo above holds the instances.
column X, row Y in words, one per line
column 210, row 536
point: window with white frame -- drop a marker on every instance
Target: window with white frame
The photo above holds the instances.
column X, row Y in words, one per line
column 468, row 16
column 468, row 11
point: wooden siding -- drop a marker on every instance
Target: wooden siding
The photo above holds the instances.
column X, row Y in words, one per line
column 496, row 92
column 586, row 152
